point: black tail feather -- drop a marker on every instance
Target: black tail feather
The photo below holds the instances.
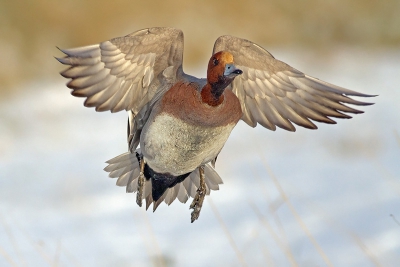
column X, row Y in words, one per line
column 160, row 182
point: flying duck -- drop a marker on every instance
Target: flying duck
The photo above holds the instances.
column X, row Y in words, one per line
column 177, row 123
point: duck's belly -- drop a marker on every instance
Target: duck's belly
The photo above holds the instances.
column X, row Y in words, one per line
column 170, row 145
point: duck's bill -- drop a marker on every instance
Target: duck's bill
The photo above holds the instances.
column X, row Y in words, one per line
column 231, row 71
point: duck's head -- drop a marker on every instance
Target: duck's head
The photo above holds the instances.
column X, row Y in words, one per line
column 221, row 71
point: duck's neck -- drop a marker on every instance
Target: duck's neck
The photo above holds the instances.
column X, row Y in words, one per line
column 212, row 95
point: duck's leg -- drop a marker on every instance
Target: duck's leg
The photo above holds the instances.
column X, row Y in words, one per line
column 198, row 200
column 139, row 195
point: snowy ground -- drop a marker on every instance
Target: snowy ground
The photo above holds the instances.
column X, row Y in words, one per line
column 58, row 208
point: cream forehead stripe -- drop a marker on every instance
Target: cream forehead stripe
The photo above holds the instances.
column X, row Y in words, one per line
column 226, row 57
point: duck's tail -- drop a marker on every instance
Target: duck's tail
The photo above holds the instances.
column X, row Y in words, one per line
column 126, row 168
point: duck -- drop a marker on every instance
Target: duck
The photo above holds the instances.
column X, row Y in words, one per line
column 178, row 123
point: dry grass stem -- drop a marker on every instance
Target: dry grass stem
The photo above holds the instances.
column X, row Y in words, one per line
column 276, row 238
column 395, row 220
column 154, row 247
column 294, row 213
column 39, row 249
column 7, row 257
column 69, row 255
column 272, row 210
column 227, row 233
column 13, row 242
column 346, row 232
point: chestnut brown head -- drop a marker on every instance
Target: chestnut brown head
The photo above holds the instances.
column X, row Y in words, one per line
column 221, row 70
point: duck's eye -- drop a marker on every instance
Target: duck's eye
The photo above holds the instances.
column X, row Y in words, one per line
column 215, row 62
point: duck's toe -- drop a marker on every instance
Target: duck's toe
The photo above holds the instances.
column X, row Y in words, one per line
column 139, row 195
column 199, row 198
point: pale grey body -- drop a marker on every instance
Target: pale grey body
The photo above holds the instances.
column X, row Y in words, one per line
column 174, row 146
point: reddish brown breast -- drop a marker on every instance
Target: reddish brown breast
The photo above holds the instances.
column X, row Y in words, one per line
column 208, row 97
column 184, row 101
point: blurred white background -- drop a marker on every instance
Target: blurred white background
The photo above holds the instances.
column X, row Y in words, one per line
column 329, row 197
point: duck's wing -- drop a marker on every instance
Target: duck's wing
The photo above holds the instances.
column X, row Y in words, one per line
column 124, row 73
column 273, row 93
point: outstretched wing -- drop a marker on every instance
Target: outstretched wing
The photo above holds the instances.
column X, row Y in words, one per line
column 123, row 73
column 273, row 93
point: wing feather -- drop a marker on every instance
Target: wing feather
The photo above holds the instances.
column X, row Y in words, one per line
column 273, row 93
column 101, row 73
